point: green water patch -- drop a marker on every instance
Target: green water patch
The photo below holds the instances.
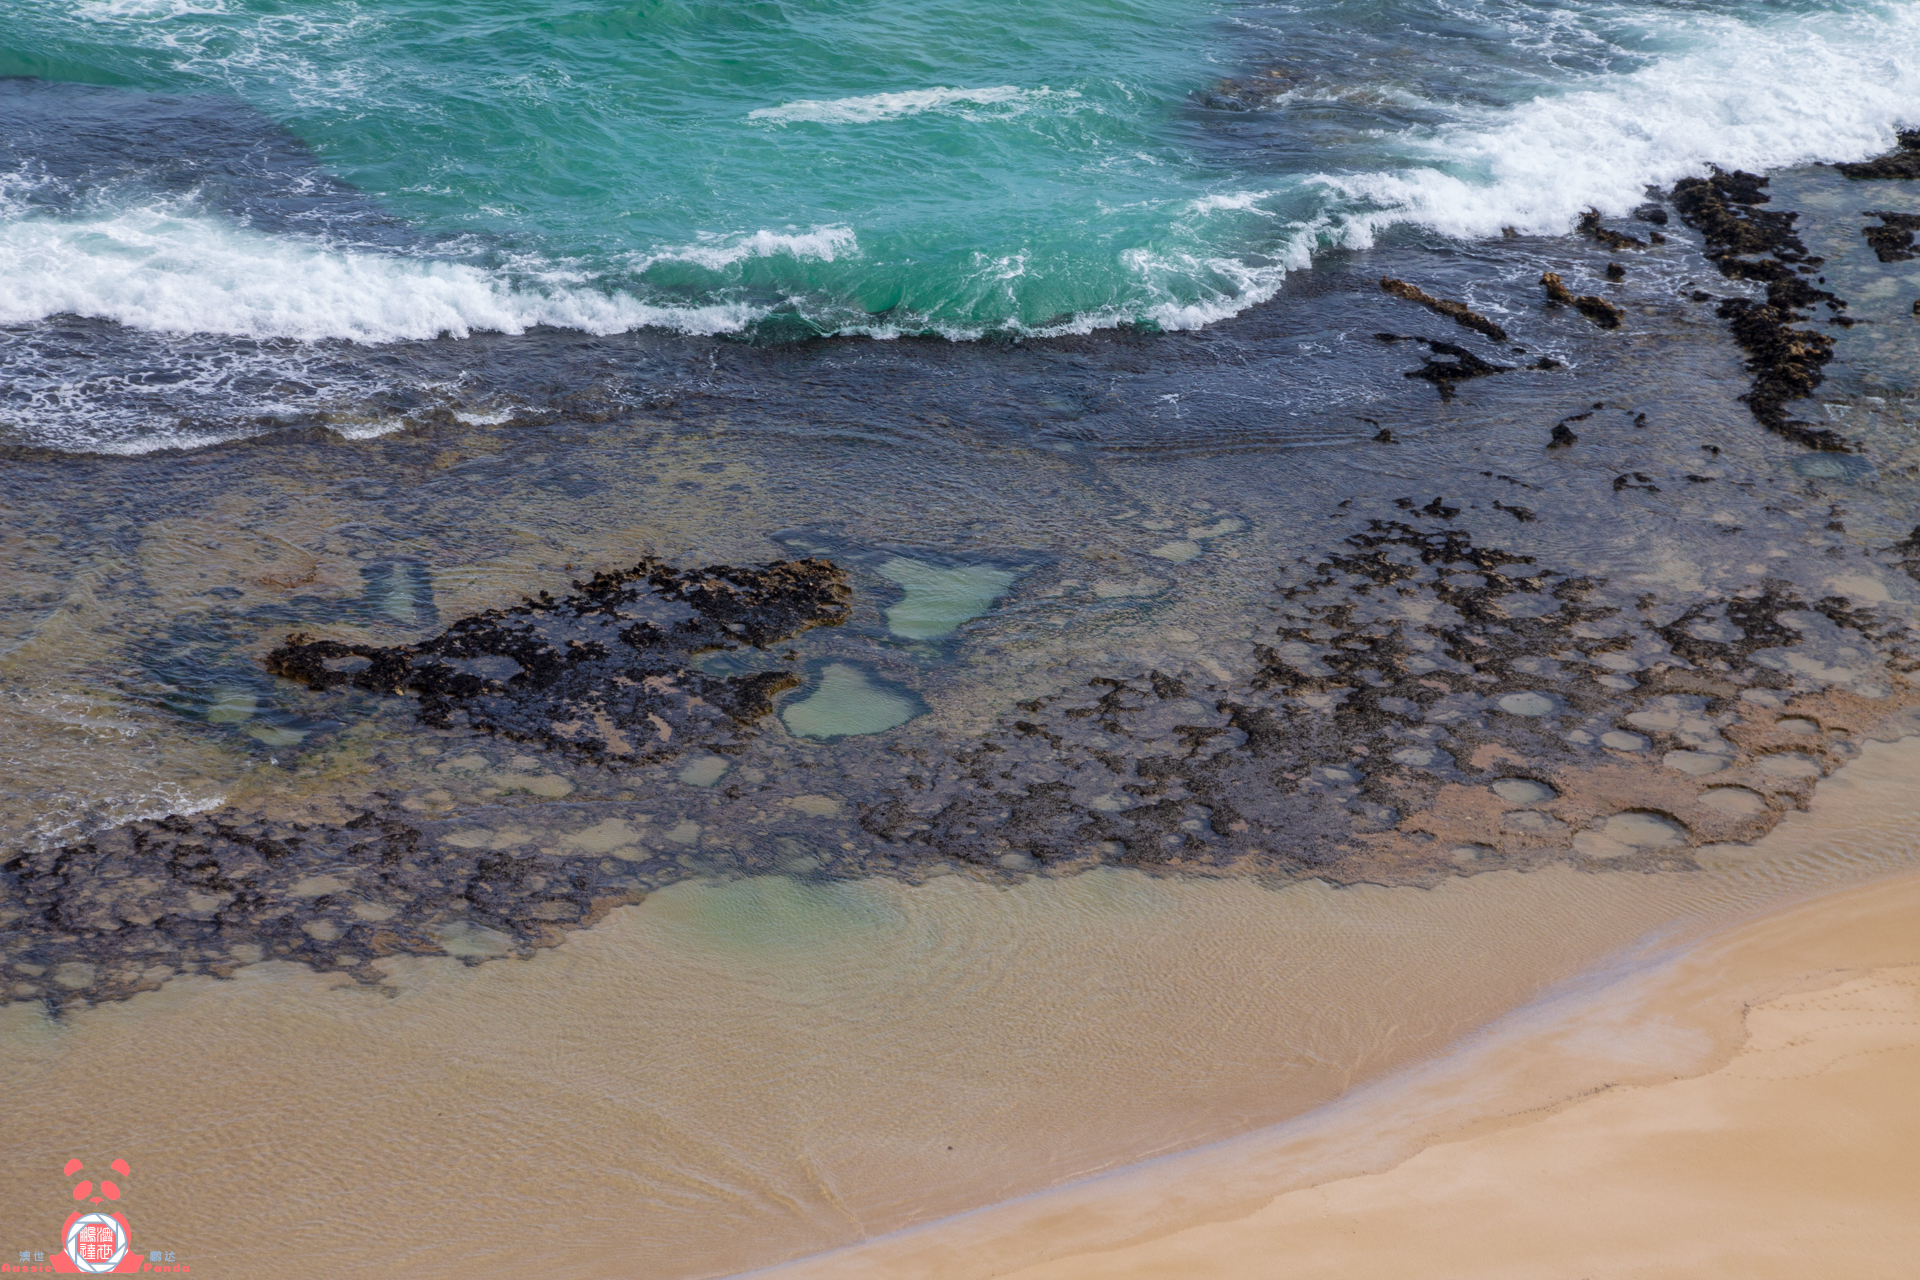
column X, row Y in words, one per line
column 1846, row 468
column 847, row 702
column 399, row 591
column 777, row 915
column 938, row 600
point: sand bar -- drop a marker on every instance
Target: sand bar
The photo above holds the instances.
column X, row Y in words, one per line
column 1750, row 1106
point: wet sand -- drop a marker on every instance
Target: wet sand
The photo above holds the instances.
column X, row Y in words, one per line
column 1748, row 1107
column 735, row 1073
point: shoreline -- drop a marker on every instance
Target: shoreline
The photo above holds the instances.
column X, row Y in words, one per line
column 1651, row 1118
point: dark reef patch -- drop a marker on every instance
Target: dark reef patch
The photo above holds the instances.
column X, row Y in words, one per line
column 1591, row 228
column 1747, row 242
column 1463, row 365
column 606, row 670
column 1412, row 667
column 1592, row 306
column 1901, row 163
column 124, row 910
column 1458, row 312
column 1892, row 240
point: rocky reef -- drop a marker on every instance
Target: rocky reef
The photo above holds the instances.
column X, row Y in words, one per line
column 126, row 909
column 1425, row 702
column 1461, row 365
column 1458, row 312
column 1592, row 306
column 1892, row 240
column 1420, row 706
column 607, row 669
column 1903, row 162
column 1747, row 242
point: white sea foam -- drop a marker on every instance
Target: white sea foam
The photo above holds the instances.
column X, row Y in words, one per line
column 145, row 10
column 820, row 244
column 1232, row 202
column 1751, row 95
column 1001, row 100
column 1196, row 289
column 170, row 271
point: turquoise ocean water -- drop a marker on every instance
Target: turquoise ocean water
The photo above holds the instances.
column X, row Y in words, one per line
column 382, row 171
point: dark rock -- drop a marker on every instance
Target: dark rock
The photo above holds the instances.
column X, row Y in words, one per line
column 1547, row 362
column 1785, row 363
column 607, row 670
column 1593, row 307
column 1386, row 436
column 1563, row 437
column 1616, row 272
column 211, row 892
column 1590, row 227
column 1907, row 550
column 1892, row 240
column 1443, row 374
column 1901, row 163
column 1651, row 213
column 1458, row 312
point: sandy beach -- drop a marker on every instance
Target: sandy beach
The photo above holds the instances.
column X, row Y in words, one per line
column 1747, row 1107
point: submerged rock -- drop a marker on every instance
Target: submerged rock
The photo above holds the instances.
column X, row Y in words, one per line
column 1458, row 312
column 1892, row 240
column 606, row 670
column 1592, row 306
column 1444, row 374
column 1901, row 163
column 132, row 906
column 1591, row 228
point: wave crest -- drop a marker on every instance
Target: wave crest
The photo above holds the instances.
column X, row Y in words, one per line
column 1001, row 100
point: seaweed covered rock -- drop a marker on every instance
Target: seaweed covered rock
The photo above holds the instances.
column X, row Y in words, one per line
column 1749, row 243
column 1892, row 240
column 125, row 909
column 606, row 670
column 1458, row 312
column 1591, row 228
column 1592, row 306
column 1901, row 163
column 1462, row 365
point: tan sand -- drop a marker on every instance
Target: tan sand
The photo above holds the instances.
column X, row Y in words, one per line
column 1560, row 1145
column 730, row 1075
